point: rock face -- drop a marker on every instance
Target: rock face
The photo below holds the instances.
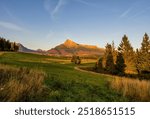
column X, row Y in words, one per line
column 69, row 48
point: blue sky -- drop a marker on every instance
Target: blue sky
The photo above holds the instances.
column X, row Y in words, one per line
column 46, row 23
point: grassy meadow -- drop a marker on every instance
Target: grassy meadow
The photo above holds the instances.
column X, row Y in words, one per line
column 32, row 77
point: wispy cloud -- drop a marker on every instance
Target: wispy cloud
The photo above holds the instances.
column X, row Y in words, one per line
column 58, row 6
column 10, row 26
column 85, row 2
column 139, row 13
column 126, row 13
column 53, row 7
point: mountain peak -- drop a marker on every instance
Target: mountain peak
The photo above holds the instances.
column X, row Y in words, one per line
column 70, row 43
column 69, row 48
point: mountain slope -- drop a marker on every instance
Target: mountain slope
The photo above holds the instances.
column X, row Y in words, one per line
column 69, row 48
column 24, row 49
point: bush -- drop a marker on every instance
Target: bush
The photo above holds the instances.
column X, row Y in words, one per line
column 76, row 59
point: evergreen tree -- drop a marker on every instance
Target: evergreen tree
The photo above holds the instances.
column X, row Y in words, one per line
column 128, row 53
column 109, row 60
column 145, row 44
column 114, row 52
column 120, row 64
column 6, row 45
column 16, row 47
column 137, row 61
column 2, row 44
column 99, row 65
column 144, row 54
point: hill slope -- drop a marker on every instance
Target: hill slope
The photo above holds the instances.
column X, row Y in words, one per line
column 27, row 50
column 69, row 48
column 24, row 49
column 62, row 82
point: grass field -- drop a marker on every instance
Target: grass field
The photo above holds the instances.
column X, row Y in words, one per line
column 61, row 81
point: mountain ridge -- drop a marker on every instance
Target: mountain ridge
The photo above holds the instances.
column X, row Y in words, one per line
column 69, row 47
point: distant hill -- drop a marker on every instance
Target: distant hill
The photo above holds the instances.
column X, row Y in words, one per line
column 24, row 49
column 69, row 48
column 27, row 50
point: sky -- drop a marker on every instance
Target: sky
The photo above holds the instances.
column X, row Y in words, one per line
column 46, row 23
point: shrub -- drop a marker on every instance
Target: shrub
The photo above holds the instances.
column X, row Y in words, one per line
column 76, row 59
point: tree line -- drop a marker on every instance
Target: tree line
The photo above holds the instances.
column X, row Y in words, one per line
column 6, row 45
column 125, row 60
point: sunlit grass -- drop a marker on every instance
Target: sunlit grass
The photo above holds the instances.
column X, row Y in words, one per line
column 133, row 88
column 20, row 84
column 62, row 81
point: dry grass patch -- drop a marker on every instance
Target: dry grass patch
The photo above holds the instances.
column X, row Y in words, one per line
column 20, row 84
column 133, row 88
column 1, row 53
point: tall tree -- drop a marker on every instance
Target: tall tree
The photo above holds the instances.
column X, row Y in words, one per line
column 120, row 64
column 109, row 59
column 99, row 65
column 144, row 54
column 16, row 47
column 128, row 53
column 114, row 52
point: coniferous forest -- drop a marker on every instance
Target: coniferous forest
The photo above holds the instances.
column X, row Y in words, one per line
column 125, row 61
column 6, row 45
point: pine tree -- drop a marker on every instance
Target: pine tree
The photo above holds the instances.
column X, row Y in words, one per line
column 144, row 55
column 145, row 44
column 6, row 45
column 99, row 65
column 120, row 64
column 114, row 52
column 16, row 47
column 109, row 59
column 128, row 53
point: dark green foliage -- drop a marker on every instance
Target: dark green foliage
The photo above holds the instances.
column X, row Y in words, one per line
column 109, row 59
column 125, row 61
column 120, row 64
column 145, row 44
column 137, row 61
column 76, row 59
column 16, row 48
column 128, row 53
column 143, row 56
column 106, row 64
column 6, row 45
column 99, row 65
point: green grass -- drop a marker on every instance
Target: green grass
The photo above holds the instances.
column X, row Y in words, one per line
column 63, row 82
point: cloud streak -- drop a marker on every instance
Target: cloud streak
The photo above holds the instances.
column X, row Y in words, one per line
column 58, row 6
column 140, row 12
column 125, row 13
column 10, row 26
column 85, row 2
column 54, row 8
